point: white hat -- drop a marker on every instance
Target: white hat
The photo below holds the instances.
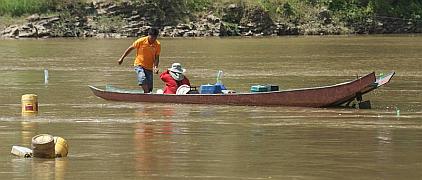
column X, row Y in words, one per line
column 177, row 68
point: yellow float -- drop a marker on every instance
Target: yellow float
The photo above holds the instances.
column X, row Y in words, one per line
column 29, row 104
column 61, row 147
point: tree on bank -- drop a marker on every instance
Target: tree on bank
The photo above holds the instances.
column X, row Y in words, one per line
column 171, row 8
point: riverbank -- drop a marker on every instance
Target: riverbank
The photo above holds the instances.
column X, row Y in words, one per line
column 107, row 19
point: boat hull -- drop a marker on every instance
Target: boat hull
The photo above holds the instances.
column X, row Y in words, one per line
column 326, row 96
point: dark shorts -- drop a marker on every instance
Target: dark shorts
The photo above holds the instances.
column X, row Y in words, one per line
column 144, row 76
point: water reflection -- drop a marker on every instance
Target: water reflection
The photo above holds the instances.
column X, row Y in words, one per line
column 39, row 168
column 28, row 131
column 60, row 168
column 151, row 110
column 384, row 151
column 48, row 168
column 146, row 136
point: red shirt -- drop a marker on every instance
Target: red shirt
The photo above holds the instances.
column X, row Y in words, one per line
column 172, row 84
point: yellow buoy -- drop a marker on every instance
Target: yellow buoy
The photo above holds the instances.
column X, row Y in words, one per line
column 29, row 104
column 43, row 146
column 61, row 147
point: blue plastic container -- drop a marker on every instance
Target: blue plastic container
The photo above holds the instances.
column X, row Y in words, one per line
column 222, row 87
column 210, row 89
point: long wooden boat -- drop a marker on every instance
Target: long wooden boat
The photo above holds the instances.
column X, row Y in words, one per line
column 326, row 96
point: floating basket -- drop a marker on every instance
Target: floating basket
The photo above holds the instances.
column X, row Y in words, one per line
column 43, row 146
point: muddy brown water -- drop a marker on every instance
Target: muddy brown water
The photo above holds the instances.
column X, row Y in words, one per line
column 118, row 140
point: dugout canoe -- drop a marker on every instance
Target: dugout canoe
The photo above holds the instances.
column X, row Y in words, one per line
column 325, row 96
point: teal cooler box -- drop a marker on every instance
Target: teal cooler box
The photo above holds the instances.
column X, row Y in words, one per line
column 210, row 89
column 259, row 88
column 264, row 88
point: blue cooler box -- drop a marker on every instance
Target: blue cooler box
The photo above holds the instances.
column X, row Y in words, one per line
column 210, row 89
column 222, row 87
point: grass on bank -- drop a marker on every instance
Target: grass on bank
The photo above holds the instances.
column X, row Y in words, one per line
column 6, row 21
column 24, row 7
column 20, row 7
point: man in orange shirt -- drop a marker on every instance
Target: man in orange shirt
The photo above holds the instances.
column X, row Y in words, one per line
column 147, row 58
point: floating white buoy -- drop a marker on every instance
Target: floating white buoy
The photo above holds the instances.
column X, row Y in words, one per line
column 21, row 151
column 45, row 76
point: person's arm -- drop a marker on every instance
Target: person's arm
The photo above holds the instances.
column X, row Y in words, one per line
column 128, row 50
column 157, row 59
column 163, row 76
column 156, row 62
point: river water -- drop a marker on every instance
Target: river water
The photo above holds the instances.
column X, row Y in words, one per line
column 118, row 140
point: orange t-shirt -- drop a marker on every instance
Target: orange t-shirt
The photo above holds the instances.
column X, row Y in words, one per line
column 146, row 53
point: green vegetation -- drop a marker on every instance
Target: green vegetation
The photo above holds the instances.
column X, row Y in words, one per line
column 20, row 7
column 350, row 9
column 345, row 8
column 25, row 7
column 307, row 16
column 197, row 5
